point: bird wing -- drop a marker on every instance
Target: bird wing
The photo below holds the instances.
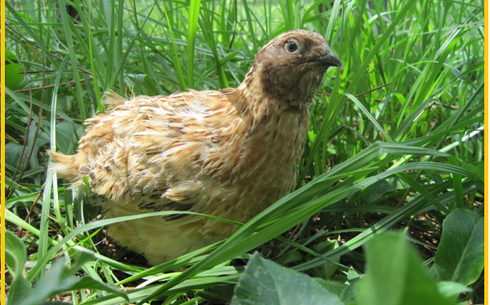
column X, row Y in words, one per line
column 149, row 152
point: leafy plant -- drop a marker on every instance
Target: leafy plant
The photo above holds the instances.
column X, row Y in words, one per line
column 265, row 282
column 59, row 279
column 459, row 257
column 394, row 274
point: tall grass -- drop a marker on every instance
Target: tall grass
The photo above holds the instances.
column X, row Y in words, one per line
column 395, row 138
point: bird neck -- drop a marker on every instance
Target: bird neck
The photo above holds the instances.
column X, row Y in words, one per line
column 257, row 103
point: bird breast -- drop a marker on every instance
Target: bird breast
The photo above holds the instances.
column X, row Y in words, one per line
column 256, row 162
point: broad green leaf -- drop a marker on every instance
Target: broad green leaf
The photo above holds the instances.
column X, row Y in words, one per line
column 395, row 276
column 15, row 258
column 15, row 253
column 13, row 152
column 460, row 256
column 265, row 282
column 452, row 290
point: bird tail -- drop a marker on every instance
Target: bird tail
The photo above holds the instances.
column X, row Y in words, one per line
column 67, row 166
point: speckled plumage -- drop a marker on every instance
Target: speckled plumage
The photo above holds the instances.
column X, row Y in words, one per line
column 229, row 153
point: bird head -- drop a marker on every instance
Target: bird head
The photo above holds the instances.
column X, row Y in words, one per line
column 291, row 67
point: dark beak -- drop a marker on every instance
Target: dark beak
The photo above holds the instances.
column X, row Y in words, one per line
column 331, row 60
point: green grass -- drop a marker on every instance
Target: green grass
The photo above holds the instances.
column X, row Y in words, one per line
column 395, row 140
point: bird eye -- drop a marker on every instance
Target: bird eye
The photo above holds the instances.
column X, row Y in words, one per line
column 291, row 46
